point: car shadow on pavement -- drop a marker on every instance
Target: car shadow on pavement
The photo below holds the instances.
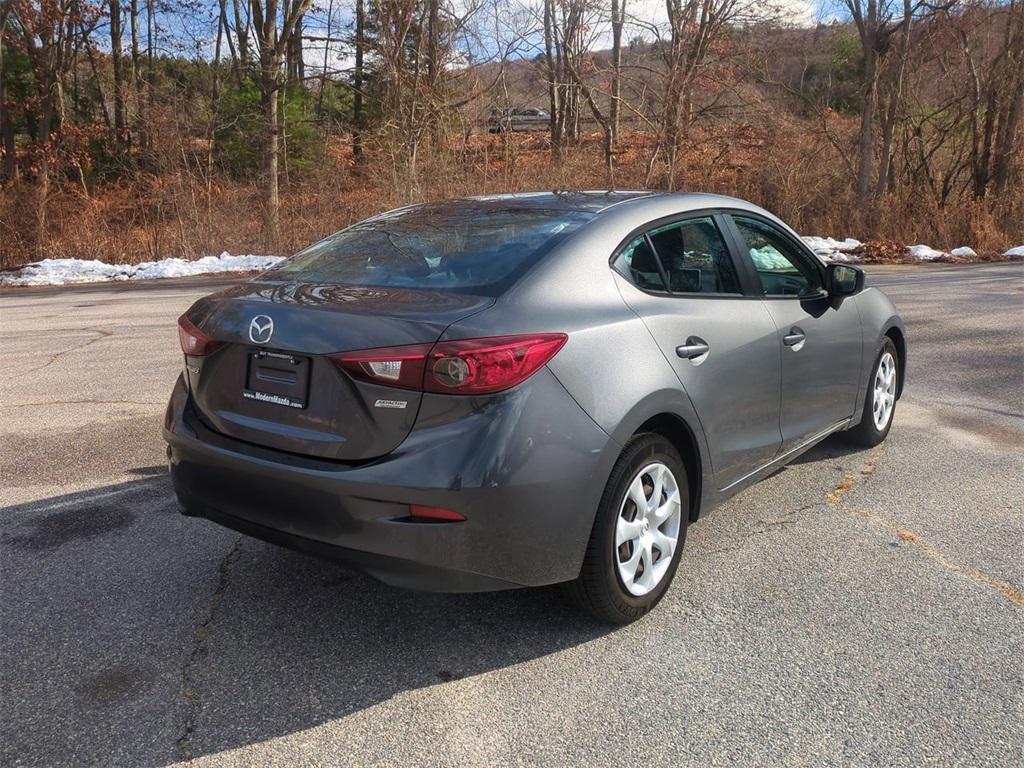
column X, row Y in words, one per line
column 832, row 447
column 177, row 638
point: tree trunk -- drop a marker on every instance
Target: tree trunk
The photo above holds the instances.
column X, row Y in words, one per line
column 9, row 168
column 618, row 19
column 327, row 56
column 42, row 197
column 294, row 63
column 150, row 74
column 49, row 92
column 87, row 43
column 865, row 143
column 1007, row 148
column 554, row 87
column 242, row 33
column 434, row 115
column 1006, row 144
column 269, row 91
column 136, row 78
column 357, row 82
column 120, row 121
column 895, row 96
column 273, row 46
column 672, row 91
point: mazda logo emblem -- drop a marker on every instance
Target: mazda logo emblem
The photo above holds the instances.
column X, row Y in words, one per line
column 261, row 328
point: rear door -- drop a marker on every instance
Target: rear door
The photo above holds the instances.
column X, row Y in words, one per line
column 819, row 345
column 721, row 342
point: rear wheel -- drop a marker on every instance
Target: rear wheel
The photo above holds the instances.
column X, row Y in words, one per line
column 880, row 400
column 638, row 535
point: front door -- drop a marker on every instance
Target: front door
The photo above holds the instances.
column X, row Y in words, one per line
column 819, row 345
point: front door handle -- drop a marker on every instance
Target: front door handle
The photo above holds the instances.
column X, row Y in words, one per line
column 795, row 338
column 693, row 348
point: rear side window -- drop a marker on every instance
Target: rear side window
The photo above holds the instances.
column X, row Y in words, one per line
column 638, row 264
column 467, row 248
column 695, row 257
column 783, row 270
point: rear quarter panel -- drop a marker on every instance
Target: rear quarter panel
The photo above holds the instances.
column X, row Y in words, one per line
column 611, row 365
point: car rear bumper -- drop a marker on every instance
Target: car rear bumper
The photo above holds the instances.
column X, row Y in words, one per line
column 526, row 470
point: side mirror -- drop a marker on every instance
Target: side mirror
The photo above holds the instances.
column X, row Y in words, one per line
column 844, row 280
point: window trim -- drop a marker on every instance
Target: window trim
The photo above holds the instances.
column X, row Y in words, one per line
column 749, row 288
column 657, row 260
column 801, row 249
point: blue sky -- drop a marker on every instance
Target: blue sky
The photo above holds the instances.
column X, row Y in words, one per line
column 191, row 33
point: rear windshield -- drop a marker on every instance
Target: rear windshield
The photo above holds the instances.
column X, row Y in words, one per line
column 466, row 248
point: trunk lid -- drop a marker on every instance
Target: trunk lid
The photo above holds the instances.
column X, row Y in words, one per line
column 271, row 384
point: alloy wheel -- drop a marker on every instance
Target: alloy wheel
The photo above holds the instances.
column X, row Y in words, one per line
column 647, row 529
column 885, row 391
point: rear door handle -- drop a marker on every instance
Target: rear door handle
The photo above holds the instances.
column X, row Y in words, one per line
column 693, row 348
column 794, row 338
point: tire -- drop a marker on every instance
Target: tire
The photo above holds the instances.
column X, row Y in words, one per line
column 600, row 589
column 873, row 428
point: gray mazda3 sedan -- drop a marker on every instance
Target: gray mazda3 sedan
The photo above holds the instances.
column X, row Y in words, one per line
column 520, row 390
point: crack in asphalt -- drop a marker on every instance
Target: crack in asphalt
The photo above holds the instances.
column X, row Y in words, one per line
column 785, row 520
column 102, row 334
column 200, row 650
column 836, row 496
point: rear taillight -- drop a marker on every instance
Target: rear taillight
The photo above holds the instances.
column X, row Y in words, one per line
column 470, row 366
column 462, row 367
column 194, row 341
column 394, row 366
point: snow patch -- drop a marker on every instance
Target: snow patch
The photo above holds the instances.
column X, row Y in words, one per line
column 65, row 271
column 1015, row 253
column 828, row 249
column 925, row 253
column 963, row 252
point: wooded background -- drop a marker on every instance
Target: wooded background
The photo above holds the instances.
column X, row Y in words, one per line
column 140, row 129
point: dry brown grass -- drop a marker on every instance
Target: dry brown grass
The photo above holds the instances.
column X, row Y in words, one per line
column 783, row 164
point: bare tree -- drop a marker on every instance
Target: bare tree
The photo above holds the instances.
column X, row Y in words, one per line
column 47, row 30
column 273, row 35
column 358, row 81
column 242, row 24
column 618, row 21
column 136, row 75
column 415, row 54
column 568, row 31
column 295, row 64
column 996, row 99
column 117, row 62
column 9, row 169
column 879, row 23
column 694, row 27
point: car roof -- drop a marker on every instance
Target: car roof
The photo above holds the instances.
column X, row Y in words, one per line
column 608, row 206
column 599, row 201
column 588, row 200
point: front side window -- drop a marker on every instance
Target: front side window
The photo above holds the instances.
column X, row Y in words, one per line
column 638, row 264
column 695, row 257
column 783, row 270
column 444, row 246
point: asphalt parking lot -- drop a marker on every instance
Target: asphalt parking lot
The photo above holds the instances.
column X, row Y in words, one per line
column 857, row 608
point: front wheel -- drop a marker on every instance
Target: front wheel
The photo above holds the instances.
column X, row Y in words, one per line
column 638, row 534
column 880, row 400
